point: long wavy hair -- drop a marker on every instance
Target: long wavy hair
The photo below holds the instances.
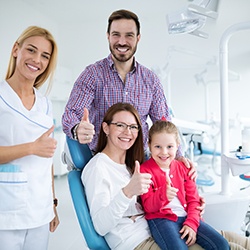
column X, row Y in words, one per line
column 136, row 152
column 49, row 72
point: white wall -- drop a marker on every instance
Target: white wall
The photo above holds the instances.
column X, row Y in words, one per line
column 15, row 16
column 81, row 37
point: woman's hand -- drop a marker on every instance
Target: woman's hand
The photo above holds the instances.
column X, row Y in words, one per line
column 55, row 222
column 45, row 145
column 139, row 183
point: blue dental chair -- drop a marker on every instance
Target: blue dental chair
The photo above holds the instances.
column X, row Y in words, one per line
column 76, row 156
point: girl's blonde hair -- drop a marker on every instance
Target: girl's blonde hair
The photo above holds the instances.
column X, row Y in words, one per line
column 49, row 72
column 163, row 126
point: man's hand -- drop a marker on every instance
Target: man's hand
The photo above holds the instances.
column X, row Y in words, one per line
column 85, row 130
column 202, row 206
column 189, row 164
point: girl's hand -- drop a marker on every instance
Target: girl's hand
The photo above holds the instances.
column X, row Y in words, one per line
column 188, row 232
column 171, row 191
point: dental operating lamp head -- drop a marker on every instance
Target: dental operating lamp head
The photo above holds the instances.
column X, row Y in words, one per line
column 190, row 19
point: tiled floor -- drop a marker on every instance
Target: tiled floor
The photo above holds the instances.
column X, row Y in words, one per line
column 68, row 235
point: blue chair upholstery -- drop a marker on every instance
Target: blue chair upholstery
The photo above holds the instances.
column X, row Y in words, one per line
column 80, row 154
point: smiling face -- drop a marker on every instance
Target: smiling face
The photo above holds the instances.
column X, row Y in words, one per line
column 118, row 139
column 163, row 148
column 123, row 39
column 32, row 57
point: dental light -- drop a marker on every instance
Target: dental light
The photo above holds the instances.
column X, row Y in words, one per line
column 191, row 19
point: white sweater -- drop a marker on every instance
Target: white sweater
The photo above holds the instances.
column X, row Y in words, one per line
column 109, row 207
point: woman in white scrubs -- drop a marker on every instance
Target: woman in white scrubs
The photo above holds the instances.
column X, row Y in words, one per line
column 27, row 199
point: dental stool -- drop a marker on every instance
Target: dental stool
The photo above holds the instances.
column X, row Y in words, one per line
column 76, row 156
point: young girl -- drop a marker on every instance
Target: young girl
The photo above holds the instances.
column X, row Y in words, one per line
column 170, row 204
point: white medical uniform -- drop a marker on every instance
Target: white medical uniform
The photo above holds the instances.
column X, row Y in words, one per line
column 26, row 199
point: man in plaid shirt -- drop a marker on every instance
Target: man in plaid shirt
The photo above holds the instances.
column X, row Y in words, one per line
column 117, row 78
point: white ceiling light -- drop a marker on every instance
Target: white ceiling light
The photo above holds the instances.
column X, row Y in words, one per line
column 191, row 19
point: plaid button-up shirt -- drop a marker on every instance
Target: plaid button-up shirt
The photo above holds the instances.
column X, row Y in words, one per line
column 99, row 86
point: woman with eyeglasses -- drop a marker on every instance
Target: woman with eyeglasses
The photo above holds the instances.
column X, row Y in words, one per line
column 113, row 181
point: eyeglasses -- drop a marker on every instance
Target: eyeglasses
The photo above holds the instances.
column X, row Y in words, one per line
column 134, row 128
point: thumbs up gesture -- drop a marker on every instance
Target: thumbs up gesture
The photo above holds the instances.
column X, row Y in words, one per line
column 139, row 183
column 171, row 191
column 85, row 130
column 45, row 145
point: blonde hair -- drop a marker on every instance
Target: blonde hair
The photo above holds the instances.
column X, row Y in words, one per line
column 49, row 72
column 163, row 126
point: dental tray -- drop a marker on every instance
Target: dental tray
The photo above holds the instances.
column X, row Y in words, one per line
column 242, row 156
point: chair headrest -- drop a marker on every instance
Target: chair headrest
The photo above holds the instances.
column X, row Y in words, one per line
column 80, row 153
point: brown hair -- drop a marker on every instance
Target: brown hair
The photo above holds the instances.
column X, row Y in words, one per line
column 163, row 126
column 48, row 73
column 124, row 14
column 136, row 152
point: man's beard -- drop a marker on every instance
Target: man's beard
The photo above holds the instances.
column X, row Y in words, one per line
column 122, row 58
